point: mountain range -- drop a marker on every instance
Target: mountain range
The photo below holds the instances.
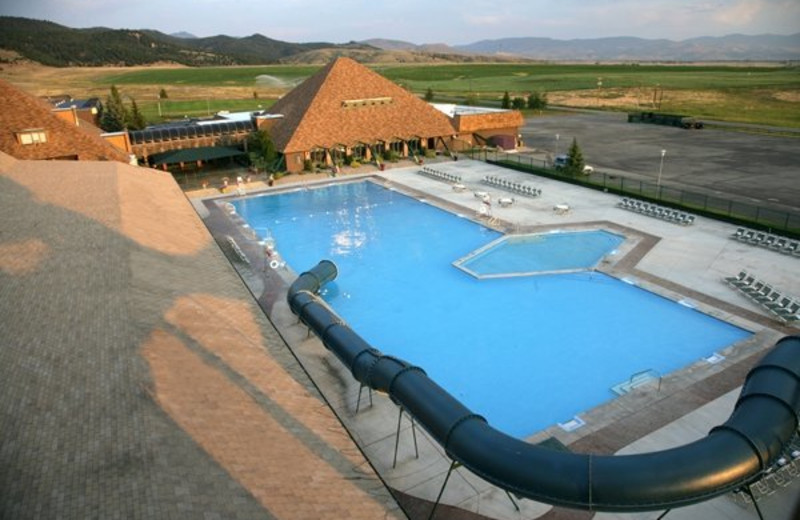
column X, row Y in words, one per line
column 52, row 44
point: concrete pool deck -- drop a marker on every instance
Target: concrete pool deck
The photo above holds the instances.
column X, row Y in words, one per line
column 681, row 262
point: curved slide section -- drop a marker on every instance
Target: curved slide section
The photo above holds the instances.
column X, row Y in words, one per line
column 761, row 426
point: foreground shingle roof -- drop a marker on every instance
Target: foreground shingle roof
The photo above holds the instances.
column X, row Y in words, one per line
column 20, row 111
column 326, row 110
column 139, row 377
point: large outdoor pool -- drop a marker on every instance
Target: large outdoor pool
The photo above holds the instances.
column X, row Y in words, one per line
column 524, row 352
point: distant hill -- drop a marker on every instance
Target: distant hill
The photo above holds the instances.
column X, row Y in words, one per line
column 736, row 47
column 55, row 45
column 183, row 34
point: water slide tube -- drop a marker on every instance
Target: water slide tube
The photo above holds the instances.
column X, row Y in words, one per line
column 764, row 421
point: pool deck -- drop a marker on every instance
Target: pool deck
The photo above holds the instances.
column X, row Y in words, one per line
column 684, row 263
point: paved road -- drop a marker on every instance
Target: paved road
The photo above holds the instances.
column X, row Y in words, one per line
column 761, row 169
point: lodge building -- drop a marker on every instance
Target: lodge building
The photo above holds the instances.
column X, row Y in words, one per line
column 343, row 112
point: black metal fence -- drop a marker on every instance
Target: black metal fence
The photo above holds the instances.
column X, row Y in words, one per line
column 741, row 213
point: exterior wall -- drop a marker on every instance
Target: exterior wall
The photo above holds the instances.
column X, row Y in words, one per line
column 70, row 115
column 294, row 162
column 120, row 140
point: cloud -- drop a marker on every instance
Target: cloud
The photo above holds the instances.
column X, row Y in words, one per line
column 740, row 14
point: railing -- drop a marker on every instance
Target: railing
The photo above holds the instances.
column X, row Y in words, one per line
column 743, row 213
column 636, row 380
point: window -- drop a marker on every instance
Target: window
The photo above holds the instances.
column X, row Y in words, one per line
column 351, row 103
column 32, row 136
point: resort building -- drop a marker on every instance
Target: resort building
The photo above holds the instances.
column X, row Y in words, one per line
column 31, row 129
column 345, row 112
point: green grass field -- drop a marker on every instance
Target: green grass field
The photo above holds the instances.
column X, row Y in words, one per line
column 174, row 109
column 753, row 94
column 207, row 76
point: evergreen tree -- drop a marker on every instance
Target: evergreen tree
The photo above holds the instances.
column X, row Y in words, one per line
column 428, row 95
column 575, row 162
column 115, row 115
column 506, row 103
column 163, row 94
column 518, row 103
column 537, row 101
column 263, row 153
column 137, row 120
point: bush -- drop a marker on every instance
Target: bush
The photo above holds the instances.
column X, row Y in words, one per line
column 309, row 166
column 430, row 153
column 354, row 164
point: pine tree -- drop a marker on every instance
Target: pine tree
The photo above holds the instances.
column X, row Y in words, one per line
column 137, row 120
column 429, row 95
column 262, row 150
column 537, row 101
column 506, row 103
column 575, row 162
column 115, row 115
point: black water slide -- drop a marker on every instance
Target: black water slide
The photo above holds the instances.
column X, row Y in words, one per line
column 733, row 454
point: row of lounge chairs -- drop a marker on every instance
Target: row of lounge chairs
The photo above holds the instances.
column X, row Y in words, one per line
column 438, row 174
column 516, row 187
column 784, row 307
column 777, row 243
column 654, row 210
column 781, row 474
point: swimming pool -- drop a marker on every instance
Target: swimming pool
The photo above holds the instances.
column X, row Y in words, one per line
column 538, row 253
column 526, row 353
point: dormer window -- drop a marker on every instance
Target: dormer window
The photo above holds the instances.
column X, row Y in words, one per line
column 368, row 102
column 32, row 136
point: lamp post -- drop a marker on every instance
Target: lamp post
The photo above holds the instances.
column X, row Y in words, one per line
column 557, row 136
column 661, row 168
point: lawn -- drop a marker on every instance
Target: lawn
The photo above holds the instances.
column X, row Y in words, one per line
column 169, row 109
column 752, row 94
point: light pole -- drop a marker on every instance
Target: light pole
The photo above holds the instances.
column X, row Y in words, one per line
column 661, row 168
column 557, row 136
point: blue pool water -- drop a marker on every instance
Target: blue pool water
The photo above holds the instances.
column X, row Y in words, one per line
column 542, row 252
column 524, row 352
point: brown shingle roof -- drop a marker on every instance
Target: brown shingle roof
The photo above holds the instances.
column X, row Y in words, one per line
column 138, row 373
column 20, row 111
column 347, row 103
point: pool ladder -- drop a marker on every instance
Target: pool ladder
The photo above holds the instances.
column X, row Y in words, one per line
column 636, row 380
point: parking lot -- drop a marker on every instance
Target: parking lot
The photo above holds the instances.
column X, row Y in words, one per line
column 751, row 167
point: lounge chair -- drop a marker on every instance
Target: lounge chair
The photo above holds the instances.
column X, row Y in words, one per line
column 770, row 297
column 778, row 244
column 738, row 234
column 755, row 288
column 778, row 305
column 748, row 281
column 738, row 278
column 747, row 236
column 789, row 313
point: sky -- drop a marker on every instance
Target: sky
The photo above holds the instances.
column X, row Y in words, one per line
column 452, row 22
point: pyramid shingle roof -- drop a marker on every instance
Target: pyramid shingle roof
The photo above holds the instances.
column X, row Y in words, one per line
column 21, row 111
column 345, row 103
